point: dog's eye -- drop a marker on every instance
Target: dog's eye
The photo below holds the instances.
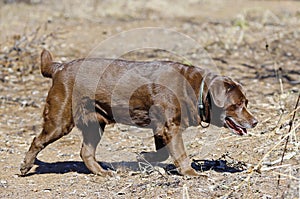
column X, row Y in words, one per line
column 239, row 104
column 230, row 88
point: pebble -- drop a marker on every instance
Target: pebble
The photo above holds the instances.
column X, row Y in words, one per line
column 161, row 170
column 3, row 182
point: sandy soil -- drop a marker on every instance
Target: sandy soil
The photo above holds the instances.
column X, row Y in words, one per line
column 254, row 42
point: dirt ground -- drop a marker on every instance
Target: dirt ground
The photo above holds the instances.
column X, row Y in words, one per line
column 254, row 42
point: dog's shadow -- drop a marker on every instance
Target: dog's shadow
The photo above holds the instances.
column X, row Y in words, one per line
column 79, row 167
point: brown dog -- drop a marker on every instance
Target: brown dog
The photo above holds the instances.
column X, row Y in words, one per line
column 167, row 97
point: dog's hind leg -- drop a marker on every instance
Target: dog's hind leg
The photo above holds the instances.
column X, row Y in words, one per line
column 92, row 134
column 158, row 120
column 58, row 122
column 161, row 154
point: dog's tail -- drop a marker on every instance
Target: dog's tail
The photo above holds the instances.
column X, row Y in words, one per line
column 48, row 67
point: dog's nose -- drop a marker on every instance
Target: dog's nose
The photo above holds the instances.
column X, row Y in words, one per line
column 254, row 122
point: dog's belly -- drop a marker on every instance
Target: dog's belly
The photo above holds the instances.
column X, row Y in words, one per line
column 135, row 117
column 139, row 110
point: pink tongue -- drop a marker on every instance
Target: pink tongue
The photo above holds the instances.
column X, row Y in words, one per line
column 238, row 130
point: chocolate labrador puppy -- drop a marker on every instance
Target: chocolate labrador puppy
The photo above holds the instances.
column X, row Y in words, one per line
column 165, row 96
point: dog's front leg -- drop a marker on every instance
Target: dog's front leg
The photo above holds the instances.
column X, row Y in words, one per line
column 177, row 151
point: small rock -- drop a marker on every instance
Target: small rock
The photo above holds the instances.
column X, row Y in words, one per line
column 265, row 196
column 161, row 170
column 47, row 190
column 83, row 194
column 170, row 192
column 3, row 182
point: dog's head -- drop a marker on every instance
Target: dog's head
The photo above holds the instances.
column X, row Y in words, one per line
column 229, row 106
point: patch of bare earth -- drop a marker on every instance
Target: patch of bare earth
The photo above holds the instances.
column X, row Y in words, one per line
column 254, row 42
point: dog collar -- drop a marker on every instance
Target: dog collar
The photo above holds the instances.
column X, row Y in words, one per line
column 201, row 106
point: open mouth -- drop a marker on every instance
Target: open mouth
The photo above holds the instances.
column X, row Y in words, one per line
column 236, row 128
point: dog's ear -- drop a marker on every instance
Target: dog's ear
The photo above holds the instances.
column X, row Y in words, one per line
column 219, row 87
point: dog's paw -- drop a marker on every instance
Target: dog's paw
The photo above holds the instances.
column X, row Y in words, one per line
column 106, row 173
column 191, row 173
column 24, row 168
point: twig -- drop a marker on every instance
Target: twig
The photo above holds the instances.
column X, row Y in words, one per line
column 122, row 191
column 288, row 137
column 290, row 176
column 147, row 165
column 185, row 193
column 274, row 167
column 287, row 157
